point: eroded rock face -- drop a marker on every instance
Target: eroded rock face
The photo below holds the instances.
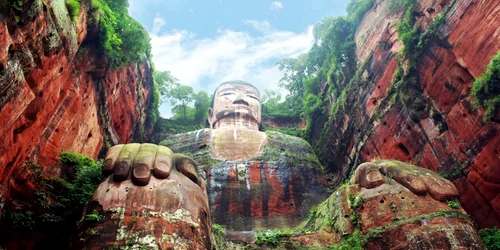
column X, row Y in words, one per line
column 58, row 96
column 451, row 136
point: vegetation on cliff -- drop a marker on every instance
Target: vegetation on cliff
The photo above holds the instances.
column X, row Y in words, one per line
column 326, row 66
column 486, row 88
column 491, row 237
column 54, row 204
column 123, row 39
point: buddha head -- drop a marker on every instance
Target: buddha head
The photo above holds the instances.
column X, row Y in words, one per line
column 235, row 104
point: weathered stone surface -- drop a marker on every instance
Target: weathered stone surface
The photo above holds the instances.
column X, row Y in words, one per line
column 283, row 122
column 409, row 221
column 390, row 216
column 169, row 211
column 452, row 137
column 166, row 214
column 58, row 96
column 273, row 189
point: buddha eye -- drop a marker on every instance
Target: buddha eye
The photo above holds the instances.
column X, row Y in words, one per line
column 253, row 97
column 227, row 93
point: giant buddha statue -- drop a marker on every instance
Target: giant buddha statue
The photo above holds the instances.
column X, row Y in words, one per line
column 245, row 179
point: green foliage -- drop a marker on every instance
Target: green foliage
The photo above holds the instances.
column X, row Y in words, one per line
column 272, row 237
column 164, row 127
column 331, row 62
column 201, row 106
column 76, row 159
column 453, row 204
column 123, row 39
column 218, row 234
column 392, row 206
column 415, row 41
column 312, row 212
column 357, row 202
column 94, row 232
column 274, row 106
column 288, row 131
column 165, row 81
column 356, row 241
column 356, row 9
column 491, row 237
column 162, row 82
column 353, row 241
column 486, row 88
column 57, row 202
column 94, row 216
column 74, row 9
column 21, row 220
column 182, row 97
column 399, row 5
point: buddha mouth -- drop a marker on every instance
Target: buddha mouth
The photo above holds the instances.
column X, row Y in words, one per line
column 241, row 111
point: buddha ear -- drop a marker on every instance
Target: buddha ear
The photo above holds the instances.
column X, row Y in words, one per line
column 210, row 117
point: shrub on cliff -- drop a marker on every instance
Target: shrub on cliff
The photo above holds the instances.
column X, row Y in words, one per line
column 491, row 237
column 486, row 88
column 56, row 203
column 123, row 39
column 74, row 9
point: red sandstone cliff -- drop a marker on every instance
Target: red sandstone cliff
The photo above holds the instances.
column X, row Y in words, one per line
column 59, row 95
column 451, row 136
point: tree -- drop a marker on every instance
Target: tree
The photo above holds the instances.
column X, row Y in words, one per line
column 165, row 81
column 201, row 104
column 180, row 97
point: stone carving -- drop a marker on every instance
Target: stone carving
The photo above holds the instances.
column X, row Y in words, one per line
column 389, row 214
column 153, row 197
column 418, row 180
column 255, row 180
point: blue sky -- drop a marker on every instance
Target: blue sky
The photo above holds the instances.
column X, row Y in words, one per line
column 205, row 42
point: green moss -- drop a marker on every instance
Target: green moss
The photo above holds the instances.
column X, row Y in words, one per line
column 294, row 150
column 486, row 88
column 272, row 237
column 218, row 236
column 74, row 9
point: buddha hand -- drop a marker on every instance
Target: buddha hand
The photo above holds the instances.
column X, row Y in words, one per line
column 418, row 180
column 139, row 161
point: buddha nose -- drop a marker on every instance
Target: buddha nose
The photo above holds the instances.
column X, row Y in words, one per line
column 240, row 99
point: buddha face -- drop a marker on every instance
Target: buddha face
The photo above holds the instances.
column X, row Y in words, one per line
column 235, row 105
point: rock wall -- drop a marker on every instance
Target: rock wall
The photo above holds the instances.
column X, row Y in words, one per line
column 283, row 122
column 57, row 92
column 450, row 136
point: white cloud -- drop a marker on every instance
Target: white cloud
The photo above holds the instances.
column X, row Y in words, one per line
column 276, row 5
column 158, row 23
column 203, row 63
column 262, row 26
column 190, row 11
